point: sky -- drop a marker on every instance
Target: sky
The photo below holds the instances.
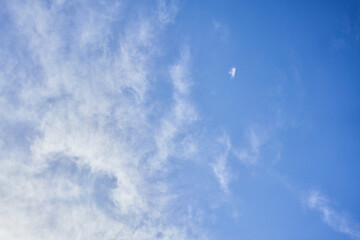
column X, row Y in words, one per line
column 179, row 119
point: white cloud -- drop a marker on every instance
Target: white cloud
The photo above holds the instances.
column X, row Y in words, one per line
column 181, row 114
column 220, row 167
column 336, row 220
column 232, row 72
column 84, row 144
column 249, row 155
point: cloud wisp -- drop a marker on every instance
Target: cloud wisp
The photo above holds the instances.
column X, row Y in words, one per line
column 86, row 143
column 336, row 220
column 220, row 167
column 250, row 155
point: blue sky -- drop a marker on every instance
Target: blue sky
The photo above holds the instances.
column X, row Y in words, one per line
column 179, row 119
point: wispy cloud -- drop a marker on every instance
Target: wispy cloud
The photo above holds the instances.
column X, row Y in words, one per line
column 220, row 167
column 84, row 143
column 336, row 220
column 249, row 155
column 182, row 112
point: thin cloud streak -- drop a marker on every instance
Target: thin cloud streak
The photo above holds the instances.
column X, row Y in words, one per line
column 249, row 155
column 220, row 167
column 338, row 221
